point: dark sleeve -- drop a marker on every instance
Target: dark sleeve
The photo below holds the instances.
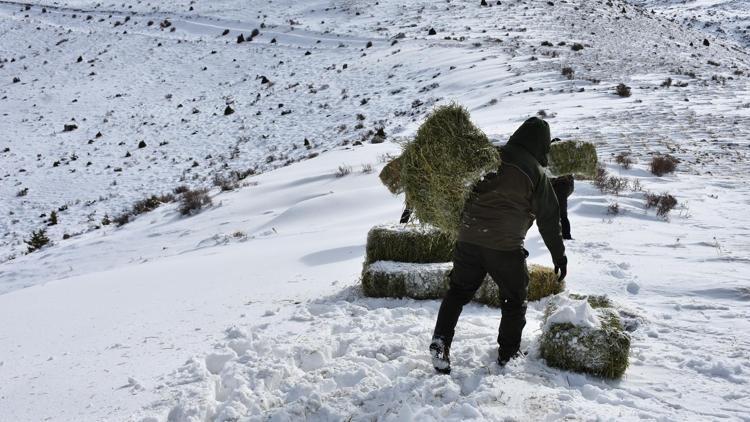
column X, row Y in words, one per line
column 547, row 213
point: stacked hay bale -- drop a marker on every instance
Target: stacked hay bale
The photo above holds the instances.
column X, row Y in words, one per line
column 414, row 261
column 407, row 261
column 584, row 334
column 408, row 243
column 573, row 157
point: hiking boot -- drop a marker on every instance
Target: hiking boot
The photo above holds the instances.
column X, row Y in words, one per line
column 440, row 353
column 503, row 359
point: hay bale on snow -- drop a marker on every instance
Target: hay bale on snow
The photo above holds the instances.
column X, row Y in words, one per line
column 542, row 283
column 586, row 335
column 399, row 279
column 443, row 162
column 431, row 281
column 408, row 243
column 573, row 157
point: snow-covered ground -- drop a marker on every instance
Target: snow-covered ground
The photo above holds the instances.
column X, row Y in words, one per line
column 251, row 309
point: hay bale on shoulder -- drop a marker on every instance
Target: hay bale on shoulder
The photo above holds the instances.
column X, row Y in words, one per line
column 584, row 335
column 399, row 279
column 431, row 281
column 573, row 157
column 408, row 243
column 440, row 166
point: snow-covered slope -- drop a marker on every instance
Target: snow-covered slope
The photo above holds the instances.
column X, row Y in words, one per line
column 259, row 292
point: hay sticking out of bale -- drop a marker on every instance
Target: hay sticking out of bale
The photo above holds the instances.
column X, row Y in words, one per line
column 573, row 157
column 443, row 162
column 391, row 176
column 408, row 243
column 431, row 281
column 571, row 341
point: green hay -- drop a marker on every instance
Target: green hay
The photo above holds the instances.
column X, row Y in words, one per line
column 391, row 176
column 542, row 283
column 439, row 168
column 573, row 157
column 396, row 279
column 600, row 351
column 595, row 301
column 431, row 281
column 408, row 243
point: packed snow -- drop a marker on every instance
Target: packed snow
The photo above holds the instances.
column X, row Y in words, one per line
column 576, row 312
column 251, row 309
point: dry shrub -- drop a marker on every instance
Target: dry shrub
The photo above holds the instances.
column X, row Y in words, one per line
column 193, row 201
column 343, row 170
column 622, row 90
column 663, row 164
column 226, row 183
column 664, row 203
column 609, row 184
column 624, row 159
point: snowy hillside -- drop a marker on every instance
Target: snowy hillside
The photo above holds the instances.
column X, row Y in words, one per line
column 723, row 18
column 251, row 308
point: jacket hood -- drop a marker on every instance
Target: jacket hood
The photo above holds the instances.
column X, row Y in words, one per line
column 534, row 137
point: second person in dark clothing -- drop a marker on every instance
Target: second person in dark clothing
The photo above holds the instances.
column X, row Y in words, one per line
column 563, row 187
column 495, row 220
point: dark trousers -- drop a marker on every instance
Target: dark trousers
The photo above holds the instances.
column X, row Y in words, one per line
column 471, row 263
column 564, row 222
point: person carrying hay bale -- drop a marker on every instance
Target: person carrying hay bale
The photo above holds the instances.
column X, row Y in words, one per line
column 495, row 218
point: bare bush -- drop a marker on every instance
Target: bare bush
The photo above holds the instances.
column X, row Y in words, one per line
column 663, row 164
column 664, row 203
column 180, row 189
column 615, row 184
column 226, row 183
column 609, row 184
column 367, row 168
column 622, row 90
column 343, row 170
column 624, row 159
column 600, row 178
column 193, row 201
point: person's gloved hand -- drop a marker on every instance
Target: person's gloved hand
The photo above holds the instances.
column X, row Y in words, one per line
column 561, row 268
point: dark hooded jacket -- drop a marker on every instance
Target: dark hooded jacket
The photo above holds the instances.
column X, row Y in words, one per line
column 505, row 204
